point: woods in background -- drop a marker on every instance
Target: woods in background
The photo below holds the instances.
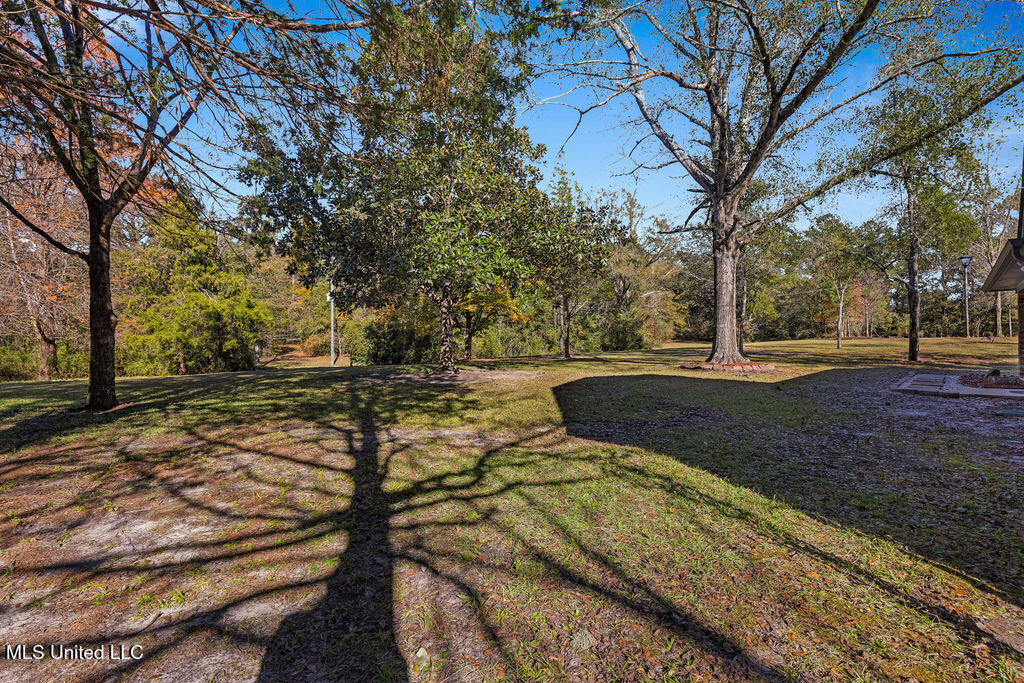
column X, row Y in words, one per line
column 191, row 298
column 380, row 160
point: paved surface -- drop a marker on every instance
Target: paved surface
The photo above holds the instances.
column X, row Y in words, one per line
column 949, row 385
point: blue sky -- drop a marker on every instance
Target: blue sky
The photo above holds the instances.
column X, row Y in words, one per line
column 596, row 152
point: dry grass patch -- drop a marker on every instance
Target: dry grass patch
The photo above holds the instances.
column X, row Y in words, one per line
column 612, row 517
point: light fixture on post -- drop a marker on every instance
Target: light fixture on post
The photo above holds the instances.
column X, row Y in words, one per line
column 965, row 261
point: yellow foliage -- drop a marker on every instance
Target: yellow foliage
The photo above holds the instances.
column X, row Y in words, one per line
column 492, row 300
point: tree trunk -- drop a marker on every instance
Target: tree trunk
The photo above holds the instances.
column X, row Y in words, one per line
column 334, row 357
column 1020, row 337
column 47, row 353
column 999, row 314
column 102, row 321
column 839, row 321
column 724, row 348
column 741, row 333
column 446, row 357
column 914, row 303
column 566, row 320
column 468, row 342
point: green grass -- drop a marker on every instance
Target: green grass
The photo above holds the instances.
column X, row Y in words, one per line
column 610, row 517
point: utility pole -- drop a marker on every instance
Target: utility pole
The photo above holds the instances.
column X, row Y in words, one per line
column 331, row 299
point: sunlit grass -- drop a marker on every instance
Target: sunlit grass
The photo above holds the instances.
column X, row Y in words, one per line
column 611, row 516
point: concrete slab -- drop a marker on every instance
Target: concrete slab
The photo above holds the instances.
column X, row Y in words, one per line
column 949, row 386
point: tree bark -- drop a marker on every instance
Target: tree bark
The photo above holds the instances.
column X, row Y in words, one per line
column 914, row 302
column 102, row 320
column 741, row 332
column 47, row 353
column 913, row 286
column 446, row 357
column 566, row 320
column 725, row 348
column 999, row 314
column 839, row 320
column 1020, row 337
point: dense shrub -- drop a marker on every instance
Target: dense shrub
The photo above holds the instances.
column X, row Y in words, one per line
column 72, row 360
column 187, row 307
column 140, row 355
column 197, row 333
column 316, row 344
column 503, row 340
column 941, row 317
column 623, row 331
column 352, row 338
column 586, row 334
column 890, row 325
column 18, row 362
column 394, row 341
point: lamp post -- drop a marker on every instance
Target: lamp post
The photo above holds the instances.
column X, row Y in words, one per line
column 965, row 260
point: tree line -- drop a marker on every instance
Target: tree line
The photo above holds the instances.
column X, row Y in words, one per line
column 192, row 298
column 382, row 155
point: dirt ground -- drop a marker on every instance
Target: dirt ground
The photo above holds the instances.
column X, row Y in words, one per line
column 611, row 518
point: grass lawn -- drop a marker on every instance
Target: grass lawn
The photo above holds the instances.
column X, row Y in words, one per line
column 612, row 517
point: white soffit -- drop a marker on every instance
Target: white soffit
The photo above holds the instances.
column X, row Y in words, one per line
column 1006, row 274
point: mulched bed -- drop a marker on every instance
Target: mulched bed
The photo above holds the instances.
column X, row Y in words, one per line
column 731, row 367
column 999, row 382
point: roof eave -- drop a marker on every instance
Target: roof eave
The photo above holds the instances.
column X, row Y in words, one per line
column 1006, row 275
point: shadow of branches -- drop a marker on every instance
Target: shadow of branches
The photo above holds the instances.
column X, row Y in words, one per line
column 258, row 525
column 938, row 478
column 338, row 525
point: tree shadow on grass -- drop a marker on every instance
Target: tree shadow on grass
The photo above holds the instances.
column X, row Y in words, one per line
column 803, row 441
column 840, row 446
column 349, row 634
column 343, row 508
column 43, row 411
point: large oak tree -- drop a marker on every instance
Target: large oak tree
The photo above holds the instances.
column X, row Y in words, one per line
column 730, row 92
